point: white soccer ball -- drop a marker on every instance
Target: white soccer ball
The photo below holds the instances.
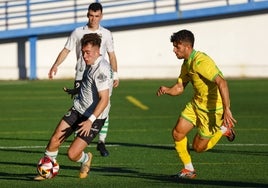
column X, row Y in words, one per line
column 47, row 167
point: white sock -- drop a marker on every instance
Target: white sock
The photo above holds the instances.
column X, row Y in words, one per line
column 223, row 129
column 189, row 166
column 52, row 154
column 104, row 130
column 102, row 138
column 84, row 158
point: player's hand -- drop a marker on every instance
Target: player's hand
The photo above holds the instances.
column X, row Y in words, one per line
column 228, row 120
column 85, row 127
column 116, row 83
column 116, row 79
column 75, row 90
column 71, row 92
column 161, row 91
column 52, row 72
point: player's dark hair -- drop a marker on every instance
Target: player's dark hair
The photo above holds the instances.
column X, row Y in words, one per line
column 92, row 38
column 183, row 36
column 95, row 7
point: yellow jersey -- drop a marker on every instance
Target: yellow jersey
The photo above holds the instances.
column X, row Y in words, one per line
column 201, row 71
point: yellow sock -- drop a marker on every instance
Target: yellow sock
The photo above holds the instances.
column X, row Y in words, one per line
column 181, row 148
column 213, row 141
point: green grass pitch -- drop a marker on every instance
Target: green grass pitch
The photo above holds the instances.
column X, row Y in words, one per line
column 139, row 138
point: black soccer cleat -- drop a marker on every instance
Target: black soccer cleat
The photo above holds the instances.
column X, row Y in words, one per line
column 103, row 151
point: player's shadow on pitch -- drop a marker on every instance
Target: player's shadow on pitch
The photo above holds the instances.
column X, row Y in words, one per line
column 13, row 176
column 142, row 145
column 170, row 180
column 24, row 139
column 239, row 152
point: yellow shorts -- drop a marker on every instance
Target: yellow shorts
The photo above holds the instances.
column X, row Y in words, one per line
column 208, row 123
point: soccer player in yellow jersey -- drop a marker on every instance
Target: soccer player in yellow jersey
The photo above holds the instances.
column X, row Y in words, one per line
column 208, row 111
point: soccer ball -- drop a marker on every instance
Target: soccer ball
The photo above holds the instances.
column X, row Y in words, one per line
column 47, row 167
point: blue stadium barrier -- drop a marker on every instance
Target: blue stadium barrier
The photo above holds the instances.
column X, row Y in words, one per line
column 24, row 18
column 31, row 19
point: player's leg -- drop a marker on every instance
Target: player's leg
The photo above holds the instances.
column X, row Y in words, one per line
column 181, row 145
column 64, row 129
column 102, row 136
column 61, row 133
column 200, row 143
column 224, row 131
column 210, row 130
column 76, row 150
column 185, row 124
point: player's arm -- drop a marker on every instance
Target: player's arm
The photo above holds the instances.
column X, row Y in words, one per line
column 228, row 119
column 61, row 57
column 113, row 62
column 102, row 104
column 174, row 90
column 75, row 90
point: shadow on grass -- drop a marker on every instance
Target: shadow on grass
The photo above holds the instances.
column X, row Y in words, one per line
column 125, row 172
column 160, row 179
column 240, row 152
column 149, row 146
column 29, row 176
column 142, row 145
column 33, row 139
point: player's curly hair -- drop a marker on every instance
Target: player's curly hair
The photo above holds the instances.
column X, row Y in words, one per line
column 183, row 36
column 92, row 38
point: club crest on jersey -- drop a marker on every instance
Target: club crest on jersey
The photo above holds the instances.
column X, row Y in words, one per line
column 102, row 77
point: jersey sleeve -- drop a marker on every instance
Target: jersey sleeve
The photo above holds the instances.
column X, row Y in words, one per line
column 206, row 67
column 110, row 42
column 102, row 78
column 71, row 41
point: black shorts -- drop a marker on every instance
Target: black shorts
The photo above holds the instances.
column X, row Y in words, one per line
column 73, row 118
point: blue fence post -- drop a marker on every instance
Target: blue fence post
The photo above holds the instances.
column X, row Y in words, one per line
column 177, row 5
column 155, row 7
column 6, row 15
column 28, row 4
column 33, row 66
column 75, row 11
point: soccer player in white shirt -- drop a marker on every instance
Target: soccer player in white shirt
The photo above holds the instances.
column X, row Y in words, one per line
column 90, row 108
column 94, row 15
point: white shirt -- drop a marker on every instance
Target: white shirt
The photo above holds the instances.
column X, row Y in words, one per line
column 74, row 41
column 97, row 77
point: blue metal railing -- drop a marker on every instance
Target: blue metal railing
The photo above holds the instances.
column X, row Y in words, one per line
column 22, row 18
column 28, row 13
column 29, row 19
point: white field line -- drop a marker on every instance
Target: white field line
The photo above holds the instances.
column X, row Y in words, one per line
column 138, row 145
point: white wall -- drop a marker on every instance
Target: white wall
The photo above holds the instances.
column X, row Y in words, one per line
column 237, row 45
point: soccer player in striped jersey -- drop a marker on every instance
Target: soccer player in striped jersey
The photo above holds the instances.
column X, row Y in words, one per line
column 90, row 108
column 208, row 111
column 95, row 14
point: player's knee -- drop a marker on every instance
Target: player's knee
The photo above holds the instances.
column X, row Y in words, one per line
column 54, row 142
column 71, row 155
column 177, row 136
column 198, row 148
